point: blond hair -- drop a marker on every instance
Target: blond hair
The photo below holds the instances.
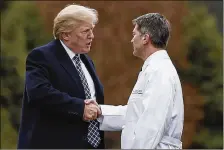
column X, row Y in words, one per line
column 71, row 16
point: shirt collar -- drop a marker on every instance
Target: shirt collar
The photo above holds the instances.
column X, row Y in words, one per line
column 70, row 53
column 160, row 54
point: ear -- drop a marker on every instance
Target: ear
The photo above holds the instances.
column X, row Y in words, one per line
column 145, row 38
column 65, row 36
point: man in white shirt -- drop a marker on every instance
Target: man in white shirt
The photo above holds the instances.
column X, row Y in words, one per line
column 154, row 115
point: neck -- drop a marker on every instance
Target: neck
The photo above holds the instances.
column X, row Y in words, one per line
column 68, row 45
column 149, row 51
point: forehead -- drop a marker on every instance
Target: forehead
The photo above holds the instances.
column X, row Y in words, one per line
column 135, row 30
column 85, row 25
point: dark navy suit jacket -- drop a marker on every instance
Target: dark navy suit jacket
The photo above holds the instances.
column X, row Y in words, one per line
column 53, row 102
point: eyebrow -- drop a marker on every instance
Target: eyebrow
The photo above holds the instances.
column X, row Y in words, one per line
column 87, row 28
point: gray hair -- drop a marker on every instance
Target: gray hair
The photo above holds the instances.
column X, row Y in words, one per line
column 71, row 16
column 156, row 26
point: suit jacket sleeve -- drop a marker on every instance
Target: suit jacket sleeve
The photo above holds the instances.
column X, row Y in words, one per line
column 40, row 91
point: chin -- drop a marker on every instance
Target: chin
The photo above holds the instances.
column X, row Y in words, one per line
column 85, row 50
column 135, row 53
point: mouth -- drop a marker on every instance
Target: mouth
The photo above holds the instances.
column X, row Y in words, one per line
column 88, row 44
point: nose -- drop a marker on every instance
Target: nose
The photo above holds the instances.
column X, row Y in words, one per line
column 91, row 35
column 132, row 40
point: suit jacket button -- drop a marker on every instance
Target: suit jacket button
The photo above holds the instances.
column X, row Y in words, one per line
column 84, row 138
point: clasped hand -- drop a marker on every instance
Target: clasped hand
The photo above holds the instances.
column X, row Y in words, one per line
column 91, row 110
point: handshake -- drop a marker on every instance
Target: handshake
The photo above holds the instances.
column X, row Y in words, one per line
column 91, row 110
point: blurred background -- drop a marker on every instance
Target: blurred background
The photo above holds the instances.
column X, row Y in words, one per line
column 195, row 48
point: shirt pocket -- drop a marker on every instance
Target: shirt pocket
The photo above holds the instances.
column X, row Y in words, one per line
column 139, row 88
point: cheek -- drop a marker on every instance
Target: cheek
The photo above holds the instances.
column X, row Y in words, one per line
column 136, row 42
column 80, row 40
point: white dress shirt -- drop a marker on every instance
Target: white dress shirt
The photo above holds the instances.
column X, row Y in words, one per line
column 154, row 115
column 89, row 79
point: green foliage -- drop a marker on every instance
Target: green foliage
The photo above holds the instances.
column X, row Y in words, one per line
column 21, row 30
column 204, row 52
column 205, row 136
column 8, row 133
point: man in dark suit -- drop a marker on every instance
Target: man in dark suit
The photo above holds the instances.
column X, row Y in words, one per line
column 59, row 77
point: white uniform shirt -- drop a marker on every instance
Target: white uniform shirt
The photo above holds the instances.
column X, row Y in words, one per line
column 154, row 115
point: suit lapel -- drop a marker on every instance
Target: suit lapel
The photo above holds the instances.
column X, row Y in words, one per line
column 68, row 65
column 92, row 73
column 88, row 66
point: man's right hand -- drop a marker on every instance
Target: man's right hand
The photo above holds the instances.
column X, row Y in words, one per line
column 91, row 110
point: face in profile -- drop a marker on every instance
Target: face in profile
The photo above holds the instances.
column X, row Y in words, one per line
column 137, row 42
column 81, row 37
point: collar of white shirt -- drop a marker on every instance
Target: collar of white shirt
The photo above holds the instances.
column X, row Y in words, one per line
column 71, row 54
column 157, row 55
